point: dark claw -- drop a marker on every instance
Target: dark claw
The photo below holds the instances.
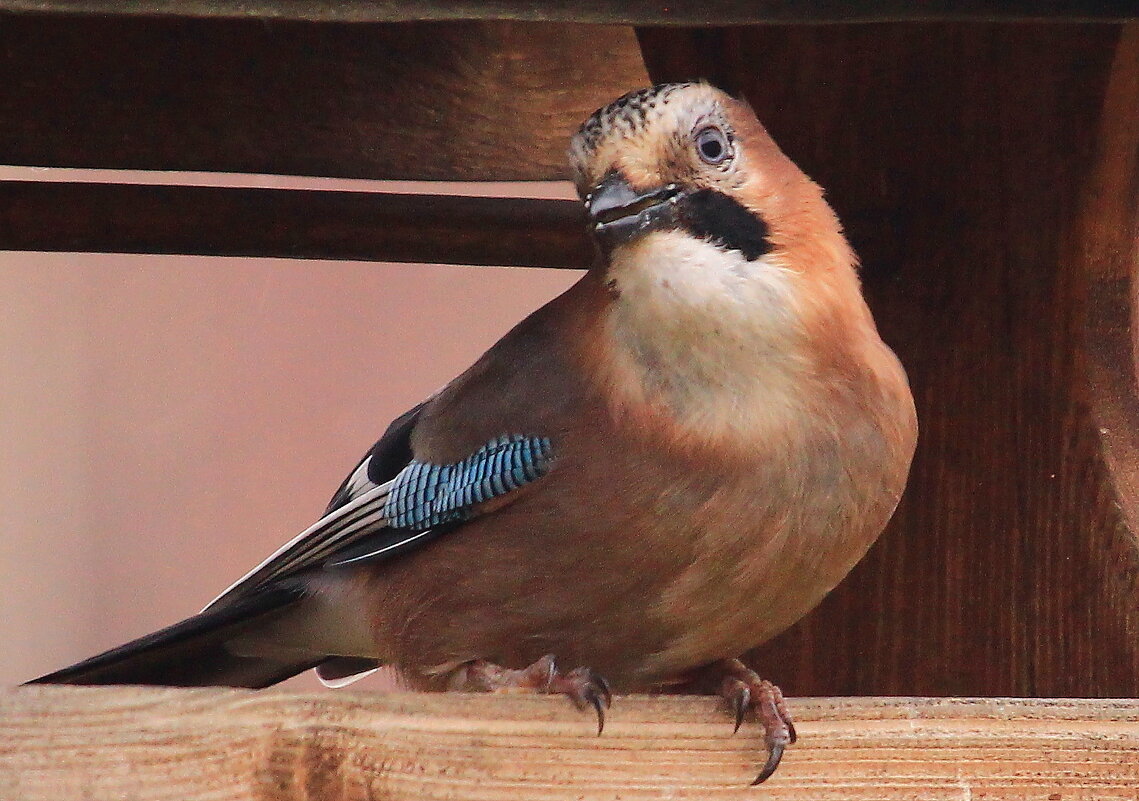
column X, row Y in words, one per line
column 586, row 687
column 741, row 703
column 773, row 756
column 597, row 692
column 601, row 682
column 791, row 731
column 595, row 699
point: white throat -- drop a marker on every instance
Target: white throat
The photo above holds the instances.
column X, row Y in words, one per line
column 713, row 337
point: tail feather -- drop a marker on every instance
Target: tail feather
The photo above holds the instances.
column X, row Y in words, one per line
column 193, row 653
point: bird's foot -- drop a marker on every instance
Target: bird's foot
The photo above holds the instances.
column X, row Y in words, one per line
column 585, row 687
column 582, row 685
column 744, row 690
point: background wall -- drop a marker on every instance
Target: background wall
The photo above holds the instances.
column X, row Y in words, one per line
column 167, row 422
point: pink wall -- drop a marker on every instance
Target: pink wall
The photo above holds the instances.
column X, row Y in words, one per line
column 167, row 421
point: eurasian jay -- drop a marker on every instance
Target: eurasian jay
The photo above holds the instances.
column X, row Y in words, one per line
column 663, row 467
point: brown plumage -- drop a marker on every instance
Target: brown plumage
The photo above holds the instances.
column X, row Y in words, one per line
column 728, row 436
column 682, row 524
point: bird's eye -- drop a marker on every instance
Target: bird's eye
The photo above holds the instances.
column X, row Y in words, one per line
column 712, row 145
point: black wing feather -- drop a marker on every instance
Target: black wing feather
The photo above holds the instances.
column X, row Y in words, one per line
column 385, row 459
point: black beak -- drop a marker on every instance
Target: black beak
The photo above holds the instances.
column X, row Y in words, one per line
column 619, row 213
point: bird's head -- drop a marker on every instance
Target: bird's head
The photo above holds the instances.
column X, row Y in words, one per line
column 689, row 159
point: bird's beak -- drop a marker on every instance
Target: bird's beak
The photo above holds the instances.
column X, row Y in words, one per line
column 619, row 213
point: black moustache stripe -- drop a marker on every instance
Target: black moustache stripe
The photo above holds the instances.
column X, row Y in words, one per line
column 718, row 218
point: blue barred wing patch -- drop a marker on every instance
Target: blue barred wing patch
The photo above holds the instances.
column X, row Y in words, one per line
column 425, row 495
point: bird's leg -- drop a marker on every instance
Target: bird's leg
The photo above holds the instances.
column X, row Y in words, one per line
column 582, row 685
column 744, row 690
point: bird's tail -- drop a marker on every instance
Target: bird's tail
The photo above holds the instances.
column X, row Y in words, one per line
column 194, row 653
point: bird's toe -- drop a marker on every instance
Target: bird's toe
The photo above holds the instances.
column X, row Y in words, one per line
column 586, row 688
column 745, row 691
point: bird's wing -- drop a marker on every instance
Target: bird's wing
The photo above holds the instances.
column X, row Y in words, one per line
column 390, row 502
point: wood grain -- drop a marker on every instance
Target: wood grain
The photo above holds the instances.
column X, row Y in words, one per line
column 959, row 158
column 310, row 224
column 1108, row 249
column 448, row 101
column 190, row 745
column 641, row 12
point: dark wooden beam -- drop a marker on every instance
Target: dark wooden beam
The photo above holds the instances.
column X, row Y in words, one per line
column 629, row 12
column 464, row 101
column 216, row 221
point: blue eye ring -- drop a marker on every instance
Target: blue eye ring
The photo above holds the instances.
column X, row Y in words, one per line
column 712, row 145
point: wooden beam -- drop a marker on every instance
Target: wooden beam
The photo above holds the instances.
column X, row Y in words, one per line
column 1107, row 247
column 113, row 743
column 629, row 12
column 434, row 101
column 301, row 224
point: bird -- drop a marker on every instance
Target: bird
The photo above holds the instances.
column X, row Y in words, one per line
column 660, row 469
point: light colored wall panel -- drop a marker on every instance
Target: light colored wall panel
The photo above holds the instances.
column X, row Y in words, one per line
column 167, row 422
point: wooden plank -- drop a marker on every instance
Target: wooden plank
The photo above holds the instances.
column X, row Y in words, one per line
column 432, row 101
column 189, row 745
column 302, row 224
column 958, row 157
column 632, row 12
column 1108, row 249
